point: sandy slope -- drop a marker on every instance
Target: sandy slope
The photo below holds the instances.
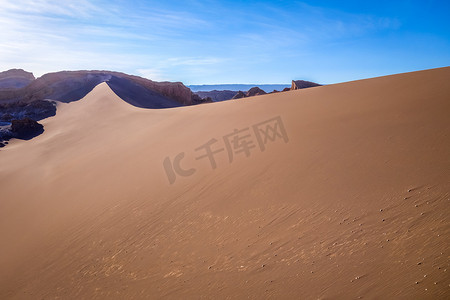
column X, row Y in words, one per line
column 354, row 204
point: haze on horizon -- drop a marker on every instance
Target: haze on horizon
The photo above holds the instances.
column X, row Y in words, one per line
column 209, row 42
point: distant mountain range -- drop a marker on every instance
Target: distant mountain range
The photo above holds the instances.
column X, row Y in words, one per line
column 66, row 86
column 223, row 92
column 237, row 87
column 15, row 79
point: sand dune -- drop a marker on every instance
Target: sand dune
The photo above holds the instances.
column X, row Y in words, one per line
column 350, row 200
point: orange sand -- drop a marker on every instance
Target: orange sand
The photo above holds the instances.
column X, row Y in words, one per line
column 354, row 204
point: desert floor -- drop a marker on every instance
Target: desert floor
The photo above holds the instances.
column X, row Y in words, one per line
column 333, row 192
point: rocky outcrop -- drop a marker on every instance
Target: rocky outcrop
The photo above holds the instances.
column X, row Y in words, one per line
column 216, row 95
column 36, row 110
column 239, row 95
column 196, row 99
column 15, row 79
column 255, row 91
column 26, row 128
column 18, row 119
column 20, row 129
column 302, row 84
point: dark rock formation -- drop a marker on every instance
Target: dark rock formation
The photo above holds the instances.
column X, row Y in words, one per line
column 286, row 89
column 196, row 99
column 26, row 128
column 302, row 84
column 216, row 95
column 15, row 79
column 18, row 119
column 239, row 95
column 36, row 110
column 255, row 91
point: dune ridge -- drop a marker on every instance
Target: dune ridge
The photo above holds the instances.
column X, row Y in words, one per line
column 353, row 203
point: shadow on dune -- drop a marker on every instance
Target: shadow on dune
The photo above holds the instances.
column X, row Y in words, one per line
column 139, row 96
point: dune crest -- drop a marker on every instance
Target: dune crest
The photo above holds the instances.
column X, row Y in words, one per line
column 100, row 98
column 353, row 203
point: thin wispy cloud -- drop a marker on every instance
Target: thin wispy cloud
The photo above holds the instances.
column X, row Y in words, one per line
column 80, row 8
column 82, row 34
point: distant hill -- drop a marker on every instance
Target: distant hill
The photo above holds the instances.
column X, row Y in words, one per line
column 245, row 90
column 67, row 86
column 15, row 79
column 302, row 84
column 237, row 87
column 216, row 95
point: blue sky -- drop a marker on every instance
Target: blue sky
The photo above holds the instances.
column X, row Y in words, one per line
column 207, row 42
